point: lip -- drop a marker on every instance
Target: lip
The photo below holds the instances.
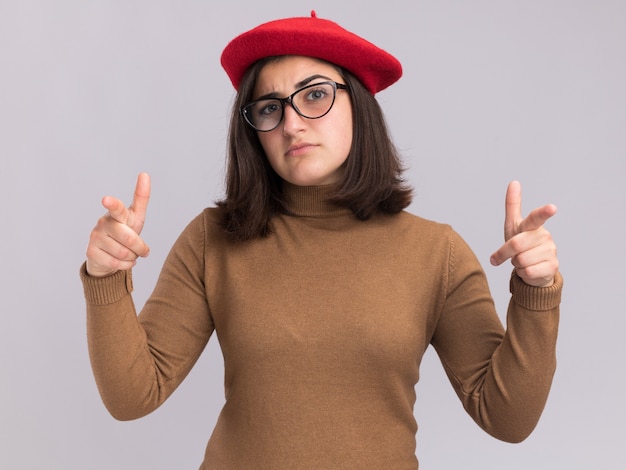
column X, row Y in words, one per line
column 301, row 148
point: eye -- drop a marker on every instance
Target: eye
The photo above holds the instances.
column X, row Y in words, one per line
column 318, row 93
column 267, row 108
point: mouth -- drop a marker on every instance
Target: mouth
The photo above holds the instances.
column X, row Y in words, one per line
column 299, row 149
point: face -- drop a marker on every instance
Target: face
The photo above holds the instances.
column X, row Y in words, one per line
column 305, row 152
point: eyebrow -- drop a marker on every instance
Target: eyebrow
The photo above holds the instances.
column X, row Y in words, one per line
column 300, row 84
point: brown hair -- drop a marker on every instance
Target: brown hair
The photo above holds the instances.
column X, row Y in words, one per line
column 372, row 180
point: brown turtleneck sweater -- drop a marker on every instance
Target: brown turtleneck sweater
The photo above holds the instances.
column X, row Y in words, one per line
column 323, row 325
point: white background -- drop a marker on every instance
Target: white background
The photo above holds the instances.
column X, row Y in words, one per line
column 94, row 91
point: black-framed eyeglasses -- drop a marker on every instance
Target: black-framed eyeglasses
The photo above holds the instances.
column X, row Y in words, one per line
column 312, row 102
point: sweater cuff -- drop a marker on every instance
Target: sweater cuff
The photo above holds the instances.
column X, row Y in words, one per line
column 536, row 298
column 108, row 289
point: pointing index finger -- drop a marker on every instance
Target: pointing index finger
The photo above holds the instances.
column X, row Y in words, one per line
column 116, row 209
column 537, row 218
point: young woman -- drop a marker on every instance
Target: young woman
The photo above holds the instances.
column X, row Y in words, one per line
column 323, row 291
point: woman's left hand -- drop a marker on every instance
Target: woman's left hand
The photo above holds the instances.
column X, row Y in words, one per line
column 528, row 244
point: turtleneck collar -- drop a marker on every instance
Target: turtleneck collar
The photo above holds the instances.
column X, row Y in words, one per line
column 311, row 201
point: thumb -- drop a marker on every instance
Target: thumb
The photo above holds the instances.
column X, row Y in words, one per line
column 513, row 210
column 139, row 206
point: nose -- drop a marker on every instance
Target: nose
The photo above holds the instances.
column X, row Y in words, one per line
column 292, row 121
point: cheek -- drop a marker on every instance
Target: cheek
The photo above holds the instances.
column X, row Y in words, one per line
column 267, row 143
column 270, row 145
column 344, row 137
column 342, row 127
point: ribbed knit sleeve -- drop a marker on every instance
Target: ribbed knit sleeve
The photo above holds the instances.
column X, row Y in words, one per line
column 536, row 298
column 106, row 290
column 502, row 376
column 139, row 360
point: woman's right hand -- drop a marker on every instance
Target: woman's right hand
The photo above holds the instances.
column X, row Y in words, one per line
column 114, row 243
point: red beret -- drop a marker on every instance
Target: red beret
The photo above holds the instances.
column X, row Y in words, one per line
column 312, row 37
